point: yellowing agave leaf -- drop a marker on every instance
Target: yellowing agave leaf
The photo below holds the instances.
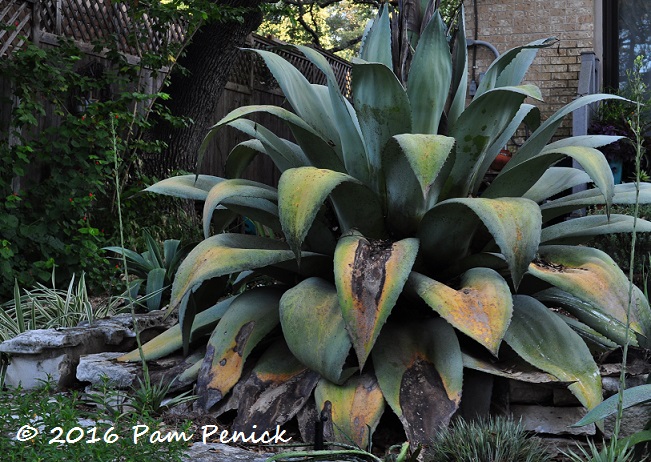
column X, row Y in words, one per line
column 251, row 316
column 593, row 277
column 171, row 340
column 420, row 370
column 225, row 254
column 314, row 328
column 302, row 192
column 481, row 308
column 544, row 340
column 369, row 277
column 513, row 222
column 234, row 188
column 355, row 408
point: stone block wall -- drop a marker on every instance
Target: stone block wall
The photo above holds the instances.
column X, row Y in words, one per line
column 510, row 23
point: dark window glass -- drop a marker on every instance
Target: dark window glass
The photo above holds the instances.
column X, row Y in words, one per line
column 634, row 37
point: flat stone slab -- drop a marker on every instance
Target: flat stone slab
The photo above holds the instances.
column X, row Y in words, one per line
column 53, row 354
column 552, row 420
column 217, row 452
column 93, row 368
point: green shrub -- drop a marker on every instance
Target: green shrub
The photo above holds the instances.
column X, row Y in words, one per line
column 618, row 245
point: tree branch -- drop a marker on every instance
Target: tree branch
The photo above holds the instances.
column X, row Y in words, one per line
column 348, row 44
column 306, row 26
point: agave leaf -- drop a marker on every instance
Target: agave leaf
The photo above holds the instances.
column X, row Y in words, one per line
column 218, row 256
column 369, row 277
column 251, row 316
column 256, row 209
column 588, row 141
column 582, row 229
column 542, row 338
column 241, row 157
column 315, row 149
column 625, row 194
column 554, row 181
column 481, row 308
column 415, row 172
column 238, row 188
column 171, row 340
column 376, row 43
column 597, row 342
column 277, row 388
column 194, row 187
column 476, row 130
column 421, row 359
column 602, row 321
column 155, row 284
column 224, row 254
column 510, row 68
column 283, row 154
column 593, row 277
column 518, row 180
column 170, row 251
column 459, row 71
column 154, row 250
column 314, row 328
column 355, row 408
column 514, row 369
column 382, row 109
column 135, row 261
column 632, row 397
column 302, row 192
column 514, row 223
column 430, row 77
column 539, row 139
column 354, row 154
column 302, row 97
column 493, row 150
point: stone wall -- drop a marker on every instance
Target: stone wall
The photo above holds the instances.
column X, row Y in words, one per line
column 509, row 23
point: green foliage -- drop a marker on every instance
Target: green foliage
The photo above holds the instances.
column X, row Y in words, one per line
column 610, row 452
column 155, row 267
column 46, row 308
column 111, row 439
column 487, row 440
column 395, row 265
column 618, row 246
column 338, row 26
column 57, row 200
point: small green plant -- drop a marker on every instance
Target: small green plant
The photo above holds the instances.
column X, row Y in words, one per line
column 486, row 440
column 154, row 268
column 152, row 398
column 609, row 453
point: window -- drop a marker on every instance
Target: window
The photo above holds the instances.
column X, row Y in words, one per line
column 627, row 34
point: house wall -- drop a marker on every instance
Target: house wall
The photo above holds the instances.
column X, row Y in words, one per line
column 510, row 23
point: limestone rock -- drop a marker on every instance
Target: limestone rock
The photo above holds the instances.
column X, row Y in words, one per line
column 552, row 420
column 217, row 452
column 93, row 368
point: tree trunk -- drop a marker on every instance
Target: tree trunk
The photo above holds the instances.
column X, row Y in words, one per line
column 195, row 94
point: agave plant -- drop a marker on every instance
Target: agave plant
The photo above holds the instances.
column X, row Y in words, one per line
column 396, row 268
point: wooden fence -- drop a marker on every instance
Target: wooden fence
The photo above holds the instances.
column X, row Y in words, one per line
column 87, row 21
